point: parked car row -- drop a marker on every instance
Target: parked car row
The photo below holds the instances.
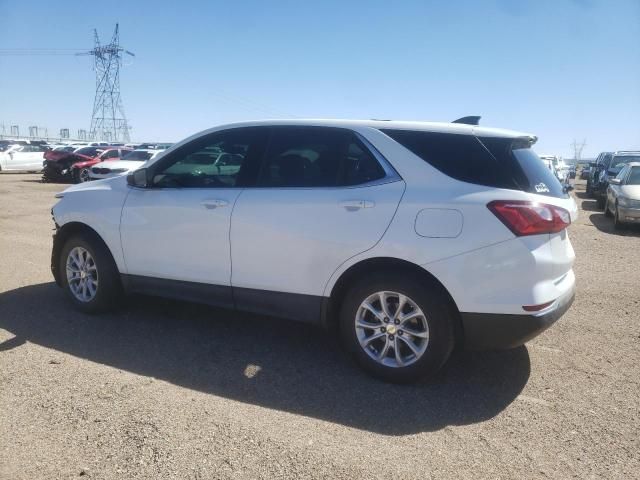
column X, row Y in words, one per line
column 614, row 181
column 560, row 169
column 74, row 161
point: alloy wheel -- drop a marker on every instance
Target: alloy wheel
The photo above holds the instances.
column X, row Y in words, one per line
column 82, row 274
column 392, row 329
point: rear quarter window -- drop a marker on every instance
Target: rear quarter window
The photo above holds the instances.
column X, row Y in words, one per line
column 494, row 162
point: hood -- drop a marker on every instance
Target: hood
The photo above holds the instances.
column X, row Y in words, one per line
column 108, row 184
column 631, row 191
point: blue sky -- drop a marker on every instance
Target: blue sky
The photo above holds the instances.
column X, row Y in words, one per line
column 561, row 69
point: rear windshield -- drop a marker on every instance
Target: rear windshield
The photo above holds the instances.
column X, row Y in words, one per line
column 493, row 162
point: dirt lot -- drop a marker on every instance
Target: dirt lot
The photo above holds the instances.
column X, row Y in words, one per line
column 165, row 389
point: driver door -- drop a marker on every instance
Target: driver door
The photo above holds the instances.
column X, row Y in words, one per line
column 175, row 234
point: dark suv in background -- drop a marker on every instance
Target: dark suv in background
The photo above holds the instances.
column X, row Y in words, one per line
column 609, row 168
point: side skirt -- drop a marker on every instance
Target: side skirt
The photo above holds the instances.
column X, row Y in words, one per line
column 292, row 306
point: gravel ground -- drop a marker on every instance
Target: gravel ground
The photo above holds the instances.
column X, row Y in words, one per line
column 165, row 389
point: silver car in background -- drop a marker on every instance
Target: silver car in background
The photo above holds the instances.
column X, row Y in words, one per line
column 623, row 196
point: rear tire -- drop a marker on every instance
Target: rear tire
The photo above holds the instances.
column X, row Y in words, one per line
column 428, row 316
column 89, row 274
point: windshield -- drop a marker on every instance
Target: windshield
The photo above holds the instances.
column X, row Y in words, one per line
column 88, row 151
column 620, row 161
column 137, row 155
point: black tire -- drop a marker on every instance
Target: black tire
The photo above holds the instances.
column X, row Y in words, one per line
column 79, row 176
column 617, row 224
column 600, row 202
column 439, row 315
column 607, row 212
column 108, row 293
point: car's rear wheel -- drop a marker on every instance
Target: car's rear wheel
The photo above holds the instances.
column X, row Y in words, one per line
column 397, row 327
column 89, row 274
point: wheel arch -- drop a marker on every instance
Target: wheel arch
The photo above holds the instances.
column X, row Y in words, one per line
column 368, row 266
column 63, row 233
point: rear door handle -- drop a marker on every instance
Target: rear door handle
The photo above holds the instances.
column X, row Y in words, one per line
column 357, row 204
column 210, row 204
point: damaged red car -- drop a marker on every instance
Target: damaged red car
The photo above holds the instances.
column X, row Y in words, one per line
column 74, row 166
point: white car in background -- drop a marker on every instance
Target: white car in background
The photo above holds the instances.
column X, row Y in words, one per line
column 27, row 158
column 560, row 168
column 129, row 162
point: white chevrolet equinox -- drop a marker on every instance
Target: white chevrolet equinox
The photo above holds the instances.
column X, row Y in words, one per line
column 404, row 238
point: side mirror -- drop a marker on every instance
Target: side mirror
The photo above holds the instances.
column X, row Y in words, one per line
column 139, row 178
column 615, row 181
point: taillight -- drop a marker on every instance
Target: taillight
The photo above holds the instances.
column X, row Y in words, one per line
column 530, row 218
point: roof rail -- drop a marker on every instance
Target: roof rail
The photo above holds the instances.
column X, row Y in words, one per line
column 470, row 120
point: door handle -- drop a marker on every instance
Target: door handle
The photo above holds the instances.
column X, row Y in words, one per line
column 214, row 203
column 357, row 204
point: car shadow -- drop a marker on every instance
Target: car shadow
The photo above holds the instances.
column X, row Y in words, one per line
column 604, row 224
column 590, row 206
column 276, row 364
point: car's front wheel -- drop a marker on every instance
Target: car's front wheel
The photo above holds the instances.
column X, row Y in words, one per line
column 607, row 210
column 81, row 175
column 397, row 327
column 617, row 224
column 89, row 274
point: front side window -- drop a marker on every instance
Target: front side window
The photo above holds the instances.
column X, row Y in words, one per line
column 634, row 176
column 317, row 157
column 221, row 160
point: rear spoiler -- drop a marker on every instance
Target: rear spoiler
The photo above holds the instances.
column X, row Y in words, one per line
column 470, row 120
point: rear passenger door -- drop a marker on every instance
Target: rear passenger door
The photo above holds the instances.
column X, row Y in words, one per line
column 322, row 196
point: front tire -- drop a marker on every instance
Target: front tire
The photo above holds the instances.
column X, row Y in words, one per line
column 600, row 202
column 617, row 224
column 398, row 327
column 81, row 175
column 89, row 274
column 607, row 211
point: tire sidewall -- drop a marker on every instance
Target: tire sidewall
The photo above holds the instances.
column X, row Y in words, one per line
column 438, row 315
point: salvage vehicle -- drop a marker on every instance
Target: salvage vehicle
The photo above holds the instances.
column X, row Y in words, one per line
column 80, row 170
column 58, row 168
column 402, row 238
column 130, row 161
column 610, row 170
column 22, row 157
column 623, row 196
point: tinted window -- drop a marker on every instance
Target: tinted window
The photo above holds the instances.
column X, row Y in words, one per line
column 89, row 151
column 493, row 162
column 317, row 157
column 222, row 159
column 459, row 156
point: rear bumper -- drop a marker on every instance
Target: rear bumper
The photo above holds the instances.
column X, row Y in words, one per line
column 491, row 331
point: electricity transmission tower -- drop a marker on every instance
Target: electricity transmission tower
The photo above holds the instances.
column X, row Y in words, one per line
column 108, row 121
column 577, row 149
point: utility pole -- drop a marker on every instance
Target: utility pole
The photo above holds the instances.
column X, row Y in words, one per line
column 108, row 121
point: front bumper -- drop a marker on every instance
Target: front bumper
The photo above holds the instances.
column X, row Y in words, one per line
column 495, row 331
column 629, row 214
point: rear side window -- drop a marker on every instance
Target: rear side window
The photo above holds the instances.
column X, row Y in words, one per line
column 459, row 156
column 492, row 162
column 317, row 157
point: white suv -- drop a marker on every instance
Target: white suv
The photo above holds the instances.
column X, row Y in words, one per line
column 404, row 238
